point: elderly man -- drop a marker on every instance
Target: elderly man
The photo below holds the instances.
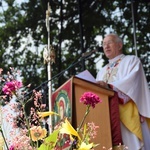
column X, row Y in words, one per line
column 125, row 75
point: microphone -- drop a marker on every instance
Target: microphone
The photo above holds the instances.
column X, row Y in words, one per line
column 87, row 54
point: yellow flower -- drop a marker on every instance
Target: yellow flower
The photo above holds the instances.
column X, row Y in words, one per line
column 47, row 113
column 1, row 142
column 37, row 133
column 85, row 146
column 68, row 129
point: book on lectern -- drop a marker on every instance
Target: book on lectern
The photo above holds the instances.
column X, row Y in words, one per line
column 86, row 75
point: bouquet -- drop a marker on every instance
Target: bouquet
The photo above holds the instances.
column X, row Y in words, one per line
column 28, row 117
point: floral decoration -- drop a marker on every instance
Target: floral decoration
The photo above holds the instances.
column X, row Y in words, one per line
column 90, row 99
column 11, row 87
column 37, row 133
column 29, row 130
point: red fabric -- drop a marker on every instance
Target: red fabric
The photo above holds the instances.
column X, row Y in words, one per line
column 121, row 101
column 115, row 120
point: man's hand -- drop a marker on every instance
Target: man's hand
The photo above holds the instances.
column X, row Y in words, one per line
column 142, row 118
column 102, row 83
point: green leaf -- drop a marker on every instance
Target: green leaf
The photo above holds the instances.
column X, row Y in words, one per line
column 50, row 142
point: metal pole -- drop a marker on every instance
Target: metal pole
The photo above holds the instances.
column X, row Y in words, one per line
column 49, row 65
column 134, row 27
column 81, row 31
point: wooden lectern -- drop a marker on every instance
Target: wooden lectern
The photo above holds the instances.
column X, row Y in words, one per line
column 99, row 115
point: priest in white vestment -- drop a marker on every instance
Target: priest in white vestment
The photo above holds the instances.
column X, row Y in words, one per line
column 125, row 75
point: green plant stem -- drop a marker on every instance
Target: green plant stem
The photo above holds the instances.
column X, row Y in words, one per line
column 27, row 122
column 85, row 115
column 4, row 137
column 37, row 144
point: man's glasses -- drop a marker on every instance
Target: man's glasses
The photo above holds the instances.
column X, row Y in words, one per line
column 108, row 43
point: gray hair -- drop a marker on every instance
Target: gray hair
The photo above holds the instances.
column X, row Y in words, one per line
column 117, row 38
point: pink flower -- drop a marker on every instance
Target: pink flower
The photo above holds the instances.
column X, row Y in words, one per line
column 92, row 130
column 12, row 148
column 20, row 142
column 11, row 87
column 89, row 98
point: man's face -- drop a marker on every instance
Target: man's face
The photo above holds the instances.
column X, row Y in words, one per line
column 111, row 47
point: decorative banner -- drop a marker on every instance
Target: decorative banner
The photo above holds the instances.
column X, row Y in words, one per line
column 62, row 102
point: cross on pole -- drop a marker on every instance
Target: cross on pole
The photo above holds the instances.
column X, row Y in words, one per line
column 49, row 58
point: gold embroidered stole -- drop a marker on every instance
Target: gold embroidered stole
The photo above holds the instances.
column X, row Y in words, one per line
column 111, row 71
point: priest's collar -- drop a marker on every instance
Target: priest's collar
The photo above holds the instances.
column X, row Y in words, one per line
column 116, row 58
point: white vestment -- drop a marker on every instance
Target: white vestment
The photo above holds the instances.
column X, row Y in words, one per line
column 129, row 78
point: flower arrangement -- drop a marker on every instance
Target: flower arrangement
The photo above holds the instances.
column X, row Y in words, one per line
column 28, row 126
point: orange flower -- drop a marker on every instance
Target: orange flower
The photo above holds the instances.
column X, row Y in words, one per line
column 37, row 133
